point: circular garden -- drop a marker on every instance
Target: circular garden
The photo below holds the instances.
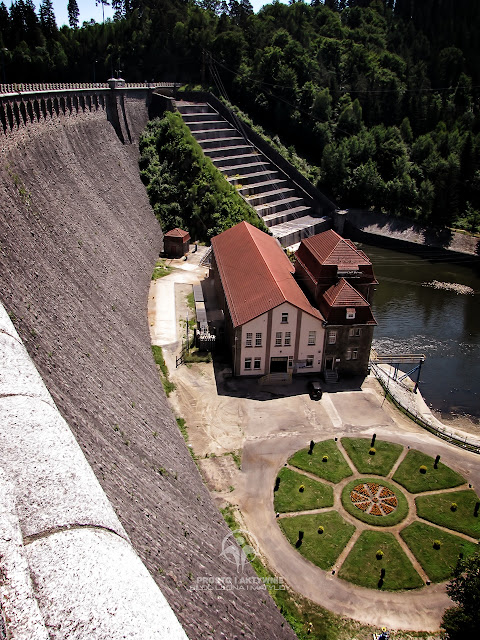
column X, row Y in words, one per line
column 376, row 514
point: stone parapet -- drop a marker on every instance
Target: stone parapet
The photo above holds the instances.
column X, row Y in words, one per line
column 67, row 568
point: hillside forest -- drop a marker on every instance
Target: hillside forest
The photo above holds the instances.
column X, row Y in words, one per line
column 381, row 97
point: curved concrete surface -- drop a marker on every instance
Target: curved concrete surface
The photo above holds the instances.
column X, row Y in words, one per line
column 67, row 566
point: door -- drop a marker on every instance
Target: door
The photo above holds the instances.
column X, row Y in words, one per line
column 278, row 365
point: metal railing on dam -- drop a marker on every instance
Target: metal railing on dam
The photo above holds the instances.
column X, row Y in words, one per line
column 20, row 88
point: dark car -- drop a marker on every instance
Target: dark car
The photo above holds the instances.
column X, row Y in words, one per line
column 314, row 389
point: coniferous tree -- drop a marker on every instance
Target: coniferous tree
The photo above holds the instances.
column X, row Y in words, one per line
column 73, row 13
column 47, row 19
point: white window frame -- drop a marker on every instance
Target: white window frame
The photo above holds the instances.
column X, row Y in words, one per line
column 248, row 364
column 354, row 354
column 284, row 317
column 309, row 361
column 332, row 337
column 288, row 339
column 355, row 332
column 348, row 355
column 350, row 313
column 258, row 339
column 249, row 339
column 312, row 338
column 257, row 363
column 278, row 338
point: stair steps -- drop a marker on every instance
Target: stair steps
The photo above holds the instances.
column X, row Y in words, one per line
column 276, row 199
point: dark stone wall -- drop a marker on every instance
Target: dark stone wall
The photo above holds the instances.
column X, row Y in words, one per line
column 78, row 243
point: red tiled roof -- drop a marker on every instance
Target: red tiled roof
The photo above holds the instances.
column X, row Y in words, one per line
column 255, row 273
column 343, row 294
column 331, row 249
column 340, row 296
column 177, row 233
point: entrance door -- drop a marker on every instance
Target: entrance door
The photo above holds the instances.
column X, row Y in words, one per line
column 329, row 363
column 278, row 365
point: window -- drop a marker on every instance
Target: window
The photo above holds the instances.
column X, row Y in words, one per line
column 332, row 337
column 348, row 355
column 355, row 332
column 248, row 340
column 257, row 363
column 290, row 361
column 309, row 362
column 278, row 339
column 288, row 339
column 312, row 337
column 258, row 339
column 354, row 354
column 248, row 363
column 284, row 318
column 350, row 313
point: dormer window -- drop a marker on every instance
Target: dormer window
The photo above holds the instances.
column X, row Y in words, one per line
column 350, row 313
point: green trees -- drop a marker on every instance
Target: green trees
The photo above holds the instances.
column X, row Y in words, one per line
column 381, row 96
column 463, row 621
column 184, row 187
column 73, row 13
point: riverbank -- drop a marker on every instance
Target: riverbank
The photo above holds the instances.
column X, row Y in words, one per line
column 370, row 226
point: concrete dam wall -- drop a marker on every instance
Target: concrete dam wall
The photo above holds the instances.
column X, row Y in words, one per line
column 78, row 242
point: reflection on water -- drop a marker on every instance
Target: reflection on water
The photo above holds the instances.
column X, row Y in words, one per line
column 442, row 324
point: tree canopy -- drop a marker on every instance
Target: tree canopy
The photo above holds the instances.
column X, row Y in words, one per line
column 463, row 621
column 380, row 96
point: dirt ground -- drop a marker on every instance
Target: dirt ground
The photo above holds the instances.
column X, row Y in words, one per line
column 242, row 433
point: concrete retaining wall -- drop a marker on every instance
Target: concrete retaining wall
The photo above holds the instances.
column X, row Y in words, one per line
column 67, row 568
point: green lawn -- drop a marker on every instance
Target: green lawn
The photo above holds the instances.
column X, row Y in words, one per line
column 320, row 548
column 362, row 566
column 288, row 497
column 409, row 475
column 395, row 517
column 439, row 563
column 386, row 453
column 334, row 469
column 437, row 509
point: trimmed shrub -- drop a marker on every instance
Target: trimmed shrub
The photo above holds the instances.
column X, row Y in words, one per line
column 325, row 459
column 302, row 488
column 321, row 529
column 379, row 555
column 372, row 451
column 423, row 469
column 437, row 544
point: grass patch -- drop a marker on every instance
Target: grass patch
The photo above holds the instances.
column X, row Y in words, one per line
column 288, row 497
column 334, row 468
column 320, row 548
column 363, row 566
column 168, row 385
column 438, row 563
column 191, row 302
column 381, row 463
column 438, row 509
column 392, row 518
column 410, row 476
column 194, row 355
column 161, row 270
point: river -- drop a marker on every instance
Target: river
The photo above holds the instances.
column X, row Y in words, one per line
column 444, row 325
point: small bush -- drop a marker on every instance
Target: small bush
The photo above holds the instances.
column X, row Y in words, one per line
column 379, row 555
column 423, row 469
column 321, row 529
column 437, row 544
column 372, row 451
column 302, row 488
column 325, row 459
column 453, row 506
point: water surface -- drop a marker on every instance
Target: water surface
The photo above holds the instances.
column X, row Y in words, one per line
column 444, row 325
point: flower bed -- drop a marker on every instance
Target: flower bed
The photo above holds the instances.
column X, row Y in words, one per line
column 374, row 499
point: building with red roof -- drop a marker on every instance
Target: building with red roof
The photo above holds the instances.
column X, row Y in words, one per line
column 176, row 243
column 340, row 281
column 269, row 323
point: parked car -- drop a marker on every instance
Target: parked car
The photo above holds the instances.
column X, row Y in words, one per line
column 314, row 389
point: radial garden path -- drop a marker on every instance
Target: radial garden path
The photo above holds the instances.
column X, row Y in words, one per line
column 417, row 610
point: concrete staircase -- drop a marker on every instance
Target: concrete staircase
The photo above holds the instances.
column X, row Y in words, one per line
column 282, row 205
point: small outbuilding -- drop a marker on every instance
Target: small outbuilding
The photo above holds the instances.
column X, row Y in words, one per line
column 176, row 243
